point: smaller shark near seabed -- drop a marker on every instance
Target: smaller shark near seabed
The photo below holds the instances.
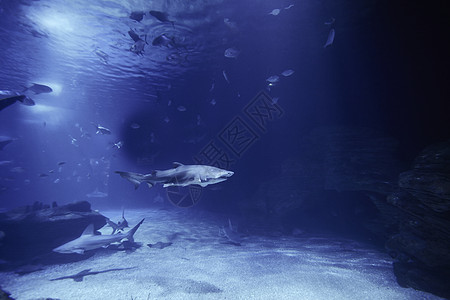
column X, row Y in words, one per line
column 231, row 234
column 89, row 241
column 120, row 226
column 179, row 175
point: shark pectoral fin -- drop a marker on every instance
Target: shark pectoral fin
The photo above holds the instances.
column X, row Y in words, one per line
column 150, row 185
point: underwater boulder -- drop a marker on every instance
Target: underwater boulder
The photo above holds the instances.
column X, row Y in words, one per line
column 35, row 230
column 429, row 179
column 422, row 242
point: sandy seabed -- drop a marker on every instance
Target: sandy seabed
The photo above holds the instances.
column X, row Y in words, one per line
column 200, row 264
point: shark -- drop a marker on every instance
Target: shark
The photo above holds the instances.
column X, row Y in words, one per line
column 179, row 175
column 231, row 234
column 89, row 241
column 120, row 226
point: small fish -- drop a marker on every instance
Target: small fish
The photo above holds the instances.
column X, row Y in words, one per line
column 275, row 12
column 213, row 102
column 152, row 137
column 61, row 163
column 166, row 119
column 5, row 163
column 96, row 194
column 39, row 89
column 273, row 79
column 43, row 175
column 73, row 141
column 330, row 38
column 133, row 35
column 288, row 72
column 212, row 87
column 101, row 129
column 118, row 145
column 225, row 76
column 289, row 7
column 135, row 126
column 230, row 24
column 161, row 16
column 102, row 55
column 163, row 40
column 56, row 180
column 137, row 15
column 181, row 108
column 275, row 100
column 17, row 170
column 330, row 21
column 232, row 53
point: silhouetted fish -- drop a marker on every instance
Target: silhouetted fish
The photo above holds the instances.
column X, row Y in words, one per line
column 4, row 103
column 287, row 72
column 97, row 194
column 39, row 88
column 275, row 12
column 101, row 129
column 232, row 53
column 330, row 21
column 137, row 15
column 133, row 35
column 4, row 140
column 330, row 38
column 161, row 16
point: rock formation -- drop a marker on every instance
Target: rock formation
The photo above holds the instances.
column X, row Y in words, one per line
column 422, row 245
column 31, row 231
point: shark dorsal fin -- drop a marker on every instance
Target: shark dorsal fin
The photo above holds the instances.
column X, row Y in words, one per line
column 89, row 230
column 177, row 164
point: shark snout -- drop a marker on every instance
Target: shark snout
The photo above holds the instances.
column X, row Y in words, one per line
column 228, row 174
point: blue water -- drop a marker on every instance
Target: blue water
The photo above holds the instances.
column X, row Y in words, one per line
column 188, row 102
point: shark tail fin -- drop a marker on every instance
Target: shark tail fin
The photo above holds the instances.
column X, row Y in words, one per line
column 134, row 178
column 132, row 231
